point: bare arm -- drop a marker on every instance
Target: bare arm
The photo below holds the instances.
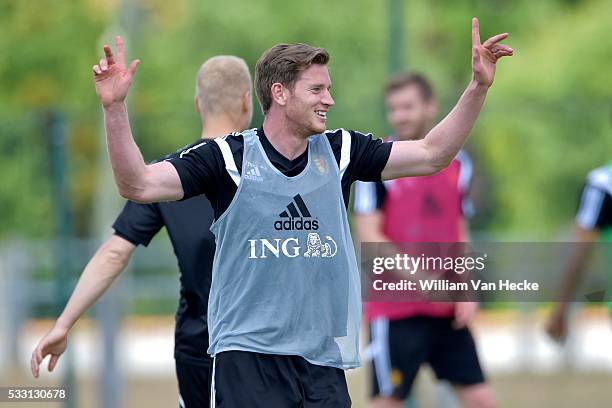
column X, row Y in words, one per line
column 108, row 262
column 369, row 227
column 135, row 180
column 576, row 266
column 368, row 221
column 465, row 312
column 442, row 143
column 464, row 230
column 557, row 324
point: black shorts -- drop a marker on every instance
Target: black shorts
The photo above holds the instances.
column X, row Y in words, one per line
column 399, row 347
column 244, row 379
column 194, row 384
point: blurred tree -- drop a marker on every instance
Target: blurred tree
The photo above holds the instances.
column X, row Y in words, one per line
column 547, row 118
column 48, row 50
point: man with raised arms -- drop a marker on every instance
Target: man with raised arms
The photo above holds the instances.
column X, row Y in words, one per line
column 285, row 308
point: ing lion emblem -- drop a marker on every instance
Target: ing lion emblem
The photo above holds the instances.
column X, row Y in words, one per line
column 316, row 248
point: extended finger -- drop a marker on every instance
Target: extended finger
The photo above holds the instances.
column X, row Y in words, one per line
column 120, row 50
column 501, row 47
column 36, row 360
column 475, row 32
column 34, row 365
column 109, row 54
column 96, row 69
column 52, row 362
column 475, row 55
column 501, row 54
column 495, row 39
column 132, row 67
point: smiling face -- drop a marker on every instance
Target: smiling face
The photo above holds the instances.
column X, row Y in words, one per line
column 309, row 100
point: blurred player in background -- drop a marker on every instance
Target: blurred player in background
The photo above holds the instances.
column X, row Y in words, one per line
column 419, row 209
column 224, row 102
column 593, row 223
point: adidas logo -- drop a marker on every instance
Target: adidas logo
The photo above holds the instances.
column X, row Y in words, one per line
column 252, row 172
column 296, row 217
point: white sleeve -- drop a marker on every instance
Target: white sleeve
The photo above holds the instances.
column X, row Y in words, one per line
column 365, row 197
column 228, row 157
column 590, row 207
column 466, row 172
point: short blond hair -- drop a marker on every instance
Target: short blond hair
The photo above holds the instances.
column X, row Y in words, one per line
column 221, row 83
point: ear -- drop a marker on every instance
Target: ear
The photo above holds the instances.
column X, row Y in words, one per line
column 196, row 104
column 246, row 101
column 279, row 93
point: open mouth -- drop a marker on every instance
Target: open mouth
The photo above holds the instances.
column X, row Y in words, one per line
column 321, row 114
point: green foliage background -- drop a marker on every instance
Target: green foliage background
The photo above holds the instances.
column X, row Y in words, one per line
column 545, row 124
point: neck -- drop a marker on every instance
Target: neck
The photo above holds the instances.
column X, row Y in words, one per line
column 218, row 126
column 283, row 135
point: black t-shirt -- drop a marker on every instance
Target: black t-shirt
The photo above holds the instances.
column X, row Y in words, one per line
column 188, row 223
column 595, row 210
column 202, row 168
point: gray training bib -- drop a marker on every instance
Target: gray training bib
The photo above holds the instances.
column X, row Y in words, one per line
column 285, row 278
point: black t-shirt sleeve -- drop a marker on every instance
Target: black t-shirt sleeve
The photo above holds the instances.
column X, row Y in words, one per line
column 595, row 208
column 369, row 157
column 138, row 223
column 605, row 216
column 200, row 167
column 369, row 197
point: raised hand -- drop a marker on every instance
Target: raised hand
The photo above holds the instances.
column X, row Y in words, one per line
column 556, row 326
column 111, row 77
column 54, row 343
column 486, row 55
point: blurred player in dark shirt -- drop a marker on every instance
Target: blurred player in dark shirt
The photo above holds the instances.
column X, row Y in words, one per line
column 224, row 102
column 593, row 224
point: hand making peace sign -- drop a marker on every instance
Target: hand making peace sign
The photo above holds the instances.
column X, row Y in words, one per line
column 112, row 78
